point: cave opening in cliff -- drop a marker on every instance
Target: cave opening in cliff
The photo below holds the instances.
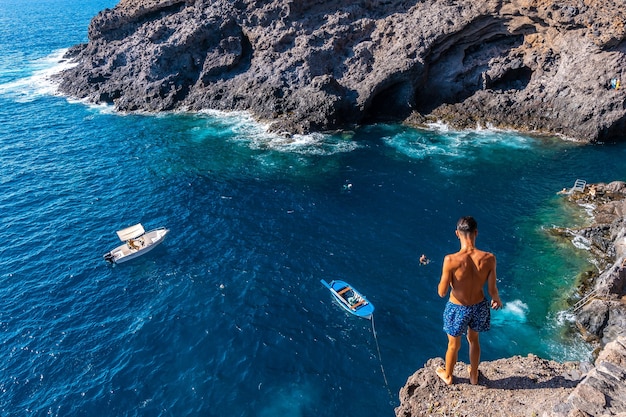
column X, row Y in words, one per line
column 514, row 79
column 459, row 65
column 391, row 103
column 613, row 133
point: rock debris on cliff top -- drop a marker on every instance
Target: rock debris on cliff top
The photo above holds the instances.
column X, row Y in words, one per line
column 540, row 66
column 516, row 386
column 522, row 387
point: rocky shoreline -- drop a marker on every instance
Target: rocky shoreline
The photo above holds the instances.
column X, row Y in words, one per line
column 539, row 66
column 530, row 386
column 601, row 312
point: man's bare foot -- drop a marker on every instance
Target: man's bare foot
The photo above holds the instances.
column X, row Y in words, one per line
column 441, row 373
column 473, row 378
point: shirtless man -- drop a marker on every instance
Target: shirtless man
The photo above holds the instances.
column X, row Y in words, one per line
column 466, row 272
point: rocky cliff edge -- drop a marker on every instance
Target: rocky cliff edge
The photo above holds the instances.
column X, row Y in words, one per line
column 522, row 386
column 308, row 65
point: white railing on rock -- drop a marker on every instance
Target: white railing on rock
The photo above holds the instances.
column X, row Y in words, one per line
column 579, row 185
column 583, row 301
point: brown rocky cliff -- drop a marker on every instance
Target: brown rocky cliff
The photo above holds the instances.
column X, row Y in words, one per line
column 305, row 65
column 522, row 386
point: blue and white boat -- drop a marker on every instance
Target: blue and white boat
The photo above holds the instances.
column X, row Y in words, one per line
column 350, row 299
column 137, row 242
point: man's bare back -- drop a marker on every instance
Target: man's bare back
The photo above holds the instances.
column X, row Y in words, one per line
column 466, row 272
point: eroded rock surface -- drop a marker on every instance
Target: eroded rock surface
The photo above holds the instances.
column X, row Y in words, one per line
column 522, row 386
column 601, row 311
column 516, row 386
column 304, row 65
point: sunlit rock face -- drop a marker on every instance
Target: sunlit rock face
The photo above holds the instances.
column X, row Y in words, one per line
column 306, row 65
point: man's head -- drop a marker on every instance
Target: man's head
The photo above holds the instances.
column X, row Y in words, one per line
column 467, row 225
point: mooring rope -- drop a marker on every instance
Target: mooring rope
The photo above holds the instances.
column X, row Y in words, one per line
column 380, row 359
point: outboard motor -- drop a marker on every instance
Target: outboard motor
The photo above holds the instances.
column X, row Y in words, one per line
column 109, row 257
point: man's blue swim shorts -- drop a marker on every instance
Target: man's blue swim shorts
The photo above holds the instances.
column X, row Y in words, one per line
column 457, row 318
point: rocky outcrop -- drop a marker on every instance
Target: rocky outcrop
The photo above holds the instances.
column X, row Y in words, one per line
column 530, row 386
column 522, row 386
column 534, row 65
column 603, row 390
column 601, row 311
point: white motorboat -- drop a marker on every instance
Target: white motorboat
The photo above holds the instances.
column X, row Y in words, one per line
column 137, row 242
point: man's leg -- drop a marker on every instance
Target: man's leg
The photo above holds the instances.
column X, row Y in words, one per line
column 474, row 353
column 452, row 354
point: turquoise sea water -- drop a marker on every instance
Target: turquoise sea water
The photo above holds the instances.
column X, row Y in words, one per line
column 228, row 316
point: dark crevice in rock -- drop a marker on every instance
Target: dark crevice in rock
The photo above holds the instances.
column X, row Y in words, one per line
column 390, row 103
column 246, row 56
column 615, row 132
column 238, row 52
column 109, row 97
column 513, row 79
column 620, row 47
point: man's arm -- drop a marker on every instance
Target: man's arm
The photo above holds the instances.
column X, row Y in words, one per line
column 492, row 286
column 446, row 277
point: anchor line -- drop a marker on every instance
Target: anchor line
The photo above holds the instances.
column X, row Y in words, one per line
column 380, row 359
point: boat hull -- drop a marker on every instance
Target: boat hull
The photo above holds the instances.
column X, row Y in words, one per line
column 350, row 299
column 144, row 244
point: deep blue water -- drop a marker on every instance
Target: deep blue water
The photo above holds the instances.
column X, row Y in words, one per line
column 228, row 317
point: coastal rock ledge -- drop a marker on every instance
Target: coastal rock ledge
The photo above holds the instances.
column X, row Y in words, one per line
column 306, row 65
column 522, row 386
column 530, row 386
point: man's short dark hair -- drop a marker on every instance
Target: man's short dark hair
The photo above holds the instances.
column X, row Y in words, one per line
column 467, row 224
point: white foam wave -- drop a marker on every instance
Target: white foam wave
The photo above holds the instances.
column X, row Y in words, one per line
column 238, row 120
column 440, row 139
column 311, row 144
column 438, row 126
column 517, row 308
column 488, row 128
column 514, row 311
column 41, row 80
column 257, row 135
column 589, row 209
column 418, row 146
column 564, row 317
column 581, row 242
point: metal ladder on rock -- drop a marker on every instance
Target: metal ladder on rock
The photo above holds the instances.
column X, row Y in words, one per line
column 579, row 185
column 583, row 301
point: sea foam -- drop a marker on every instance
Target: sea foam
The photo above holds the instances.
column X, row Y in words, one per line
column 441, row 140
column 38, row 78
column 257, row 135
column 514, row 311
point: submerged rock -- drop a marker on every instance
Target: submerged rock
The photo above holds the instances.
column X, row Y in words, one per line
column 305, row 65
